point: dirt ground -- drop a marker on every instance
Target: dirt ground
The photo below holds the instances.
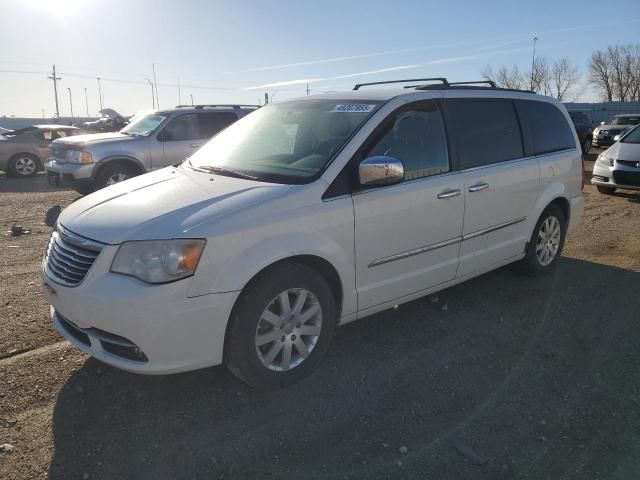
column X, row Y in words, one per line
column 501, row 377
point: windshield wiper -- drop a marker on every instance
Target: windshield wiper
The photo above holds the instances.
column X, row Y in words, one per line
column 225, row 170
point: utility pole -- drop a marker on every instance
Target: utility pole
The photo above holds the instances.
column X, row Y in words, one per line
column 307, row 89
column 153, row 98
column 86, row 101
column 43, row 113
column 70, row 103
column 155, row 82
column 55, row 88
column 99, row 92
column 191, row 95
column 266, row 98
column 533, row 60
column 179, row 96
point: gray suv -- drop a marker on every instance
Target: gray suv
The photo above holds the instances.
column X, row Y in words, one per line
column 149, row 142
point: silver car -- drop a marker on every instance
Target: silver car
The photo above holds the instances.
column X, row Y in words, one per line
column 23, row 151
column 151, row 141
column 604, row 134
column 619, row 165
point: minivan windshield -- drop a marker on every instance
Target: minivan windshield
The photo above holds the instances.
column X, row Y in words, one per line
column 624, row 121
column 288, row 142
column 632, row 137
column 144, row 126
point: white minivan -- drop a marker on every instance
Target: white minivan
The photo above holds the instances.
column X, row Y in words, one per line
column 308, row 214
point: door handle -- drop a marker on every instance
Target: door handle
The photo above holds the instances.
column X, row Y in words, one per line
column 449, row 193
column 195, row 145
column 478, row 186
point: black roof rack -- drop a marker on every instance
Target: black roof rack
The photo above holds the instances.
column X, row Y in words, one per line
column 445, row 85
column 200, row 107
column 435, row 79
column 491, row 83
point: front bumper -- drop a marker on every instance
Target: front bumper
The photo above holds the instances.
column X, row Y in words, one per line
column 618, row 176
column 160, row 322
column 60, row 173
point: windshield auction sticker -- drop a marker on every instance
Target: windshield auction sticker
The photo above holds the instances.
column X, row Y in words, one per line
column 353, row 107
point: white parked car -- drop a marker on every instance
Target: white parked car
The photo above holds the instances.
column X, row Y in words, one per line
column 308, row 214
column 619, row 165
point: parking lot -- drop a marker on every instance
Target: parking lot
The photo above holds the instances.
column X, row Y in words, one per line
column 504, row 376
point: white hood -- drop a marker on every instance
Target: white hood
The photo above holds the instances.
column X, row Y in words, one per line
column 168, row 203
column 624, row 151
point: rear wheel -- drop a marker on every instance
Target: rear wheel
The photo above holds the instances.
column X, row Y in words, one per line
column 547, row 240
column 281, row 326
column 586, row 145
column 24, row 165
column 606, row 190
column 112, row 174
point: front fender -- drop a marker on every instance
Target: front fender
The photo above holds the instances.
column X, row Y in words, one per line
column 231, row 260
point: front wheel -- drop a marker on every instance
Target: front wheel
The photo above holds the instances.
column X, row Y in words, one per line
column 281, row 326
column 547, row 240
column 586, row 145
column 112, row 174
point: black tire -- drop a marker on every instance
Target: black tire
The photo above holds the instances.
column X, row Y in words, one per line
column 240, row 351
column 24, row 165
column 530, row 264
column 109, row 171
column 586, row 145
column 84, row 188
column 606, row 190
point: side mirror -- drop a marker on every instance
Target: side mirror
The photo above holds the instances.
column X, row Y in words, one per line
column 380, row 170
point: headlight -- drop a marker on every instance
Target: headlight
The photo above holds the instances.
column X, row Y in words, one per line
column 596, row 131
column 158, row 261
column 78, row 156
column 608, row 161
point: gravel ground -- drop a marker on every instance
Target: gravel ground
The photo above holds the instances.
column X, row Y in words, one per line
column 501, row 377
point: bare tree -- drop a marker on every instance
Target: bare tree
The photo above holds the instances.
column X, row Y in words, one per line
column 617, row 72
column 505, row 77
column 540, row 76
column 564, row 76
column 512, row 77
column 600, row 73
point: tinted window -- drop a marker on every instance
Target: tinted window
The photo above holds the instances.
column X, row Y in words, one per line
column 579, row 118
column 546, row 128
column 212, row 122
column 485, row 131
column 417, row 137
column 183, row 127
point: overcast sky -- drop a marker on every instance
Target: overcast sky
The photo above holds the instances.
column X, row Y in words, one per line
column 235, row 51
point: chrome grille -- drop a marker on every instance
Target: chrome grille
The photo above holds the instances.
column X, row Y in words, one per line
column 69, row 257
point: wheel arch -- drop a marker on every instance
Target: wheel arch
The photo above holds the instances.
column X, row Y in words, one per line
column 127, row 160
column 317, row 263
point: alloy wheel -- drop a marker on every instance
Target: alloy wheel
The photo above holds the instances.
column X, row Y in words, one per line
column 288, row 329
column 25, row 166
column 116, row 178
column 548, row 241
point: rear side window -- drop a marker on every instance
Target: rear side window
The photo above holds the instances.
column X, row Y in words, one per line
column 484, row 131
column 182, row 127
column 545, row 128
column 212, row 122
